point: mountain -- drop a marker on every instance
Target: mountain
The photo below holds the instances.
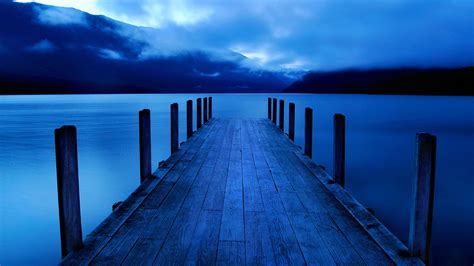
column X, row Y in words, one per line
column 412, row 81
column 46, row 49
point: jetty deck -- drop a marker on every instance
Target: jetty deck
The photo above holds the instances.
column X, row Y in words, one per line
column 240, row 192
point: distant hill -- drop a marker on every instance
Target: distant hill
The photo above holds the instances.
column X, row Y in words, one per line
column 408, row 81
column 46, row 49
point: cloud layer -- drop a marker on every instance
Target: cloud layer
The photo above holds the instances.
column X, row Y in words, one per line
column 301, row 34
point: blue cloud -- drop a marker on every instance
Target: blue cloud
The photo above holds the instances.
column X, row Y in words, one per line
column 43, row 46
column 301, row 34
column 51, row 15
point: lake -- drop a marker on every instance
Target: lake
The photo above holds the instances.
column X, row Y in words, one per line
column 380, row 147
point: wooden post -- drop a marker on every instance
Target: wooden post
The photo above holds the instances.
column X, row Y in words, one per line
column 291, row 122
column 308, row 132
column 205, row 110
column 339, row 148
column 174, row 128
column 68, row 189
column 145, row 144
column 210, row 108
column 198, row 113
column 274, row 113
column 189, row 118
column 422, row 210
column 282, row 115
column 269, row 108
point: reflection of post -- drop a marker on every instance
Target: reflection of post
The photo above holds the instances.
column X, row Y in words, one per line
column 308, row 132
column 68, row 189
column 422, row 210
column 145, row 144
column 174, row 128
column 339, row 148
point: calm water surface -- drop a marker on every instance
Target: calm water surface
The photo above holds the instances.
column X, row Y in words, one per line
column 379, row 165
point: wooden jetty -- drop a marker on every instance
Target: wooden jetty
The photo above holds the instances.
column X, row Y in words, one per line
column 239, row 191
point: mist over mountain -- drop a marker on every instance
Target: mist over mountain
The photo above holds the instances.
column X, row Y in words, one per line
column 46, row 49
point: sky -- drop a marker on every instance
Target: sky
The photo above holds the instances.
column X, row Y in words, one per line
column 304, row 34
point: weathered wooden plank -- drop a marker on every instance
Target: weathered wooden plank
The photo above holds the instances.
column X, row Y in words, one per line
column 145, row 144
column 203, row 248
column 204, row 105
column 68, row 189
column 232, row 225
column 217, row 201
column 231, row 253
column 215, row 197
column 143, row 252
column 291, row 122
column 258, row 244
column 285, row 244
column 174, row 128
column 339, row 148
column 121, row 243
column 335, row 241
column 84, row 256
column 308, row 132
column 179, row 238
column 189, row 118
column 199, row 113
column 252, row 194
column 419, row 239
column 282, row 115
column 313, row 248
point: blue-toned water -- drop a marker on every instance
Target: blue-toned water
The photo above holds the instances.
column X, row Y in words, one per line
column 379, row 165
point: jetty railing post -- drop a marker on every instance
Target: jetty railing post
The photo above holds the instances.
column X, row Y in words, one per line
column 210, row 108
column 274, row 113
column 68, row 189
column 198, row 113
column 174, row 127
column 339, row 148
column 189, row 118
column 205, row 110
column 282, row 115
column 308, row 132
column 145, row 144
column 422, row 210
column 291, row 122
column 269, row 108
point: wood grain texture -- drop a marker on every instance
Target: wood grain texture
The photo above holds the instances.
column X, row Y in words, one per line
column 240, row 192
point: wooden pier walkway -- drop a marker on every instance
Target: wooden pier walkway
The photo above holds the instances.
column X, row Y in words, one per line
column 238, row 191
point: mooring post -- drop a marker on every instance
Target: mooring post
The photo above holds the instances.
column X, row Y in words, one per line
column 210, row 108
column 308, row 132
column 68, row 189
column 145, row 144
column 199, row 113
column 282, row 115
column 189, row 118
column 269, row 108
column 291, row 122
column 274, row 113
column 339, row 148
column 205, row 110
column 174, row 127
column 422, row 210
